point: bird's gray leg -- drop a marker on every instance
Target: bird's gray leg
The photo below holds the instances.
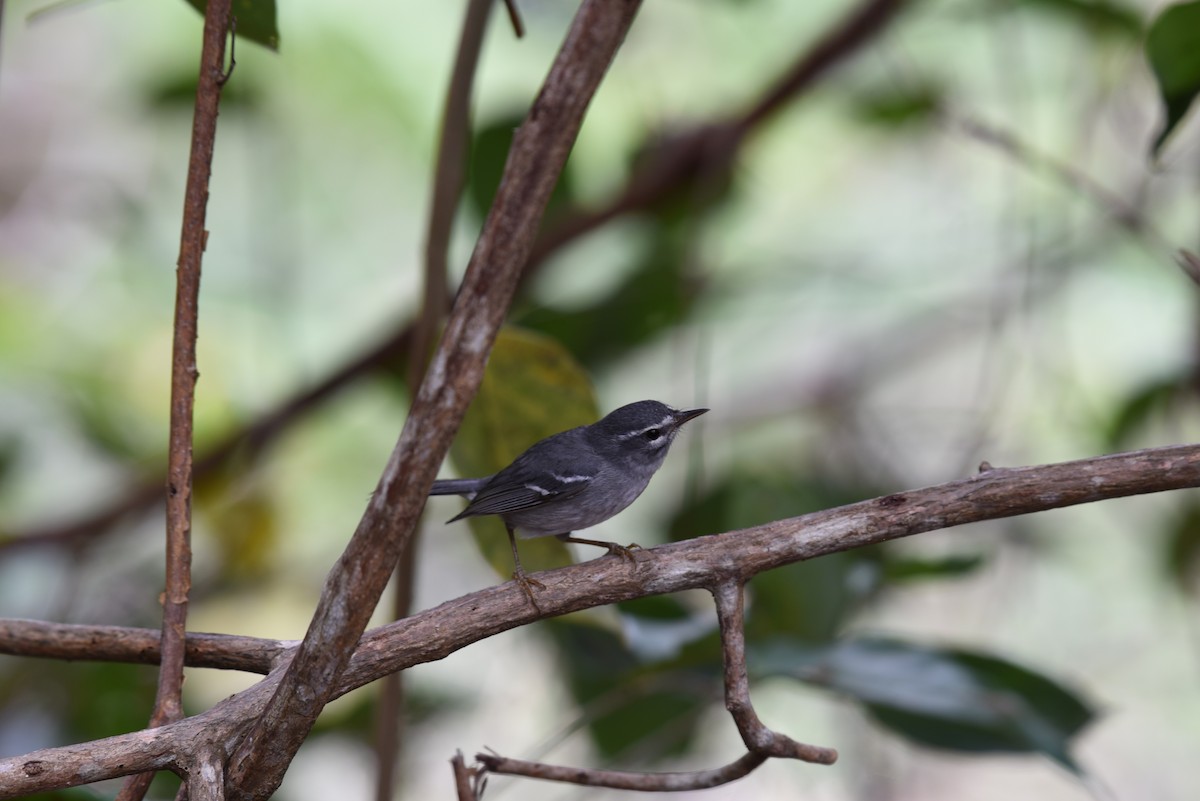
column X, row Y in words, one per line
column 625, row 552
column 527, row 583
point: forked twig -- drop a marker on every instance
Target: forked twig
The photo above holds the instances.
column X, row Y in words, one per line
column 762, row 743
column 758, row 738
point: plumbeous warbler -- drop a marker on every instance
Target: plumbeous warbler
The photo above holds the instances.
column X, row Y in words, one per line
column 574, row 479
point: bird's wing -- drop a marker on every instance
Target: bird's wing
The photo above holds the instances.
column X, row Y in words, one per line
column 534, row 479
column 498, row 498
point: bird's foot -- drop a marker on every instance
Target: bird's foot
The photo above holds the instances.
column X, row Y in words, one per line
column 624, row 551
column 527, row 584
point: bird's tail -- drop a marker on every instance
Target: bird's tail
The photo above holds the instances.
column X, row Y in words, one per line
column 458, row 486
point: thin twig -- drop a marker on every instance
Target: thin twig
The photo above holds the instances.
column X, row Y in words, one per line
column 1117, row 207
column 168, row 704
column 468, row 782
column 702, row 562
column 352, row 591
column 625, row 780
column 514, row 16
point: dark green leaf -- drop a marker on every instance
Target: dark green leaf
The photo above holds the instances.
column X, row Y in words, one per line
column 904, row 569
column 255, row 20
column 946, row 698
column 177, row 91
column 624, row 703
column 1173, row 50
column 1151, row 399
column 489, row 152
column 1182, row 557
column 10, row 454
column 894, row 107
column 1098, row 16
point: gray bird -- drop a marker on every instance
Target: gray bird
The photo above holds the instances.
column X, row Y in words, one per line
column 574, row 479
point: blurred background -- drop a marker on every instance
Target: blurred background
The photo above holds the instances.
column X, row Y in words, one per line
column 956, row 247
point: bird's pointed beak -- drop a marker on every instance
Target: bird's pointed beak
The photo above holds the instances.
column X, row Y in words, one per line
column 684, row 415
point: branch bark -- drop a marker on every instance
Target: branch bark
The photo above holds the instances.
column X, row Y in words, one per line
column 673, row 782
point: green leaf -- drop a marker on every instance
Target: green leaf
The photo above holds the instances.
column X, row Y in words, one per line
column 945, row 698
column 1182, row 556
column 255, row 20
column 177, row 92
column 893, row 107
column 10, row 455
column 1173, row 50
column 532, row 388
column 624, row 702
column 957, row 566
column 1139, row 408
column 1100, row 16
column 489, row 153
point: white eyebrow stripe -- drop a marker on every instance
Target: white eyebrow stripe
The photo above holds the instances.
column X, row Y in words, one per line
column 663, row 424
column 538, row 490
column 570, row 479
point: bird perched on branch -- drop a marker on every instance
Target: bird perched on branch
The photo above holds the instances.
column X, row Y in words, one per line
column 574, row 479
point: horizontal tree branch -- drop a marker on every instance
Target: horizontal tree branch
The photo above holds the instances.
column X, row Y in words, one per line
column 137, row 646
column 702, row 562
column 672, row 782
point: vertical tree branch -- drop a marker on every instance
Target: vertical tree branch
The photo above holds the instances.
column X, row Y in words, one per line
column 168, row 703
column 355, row 584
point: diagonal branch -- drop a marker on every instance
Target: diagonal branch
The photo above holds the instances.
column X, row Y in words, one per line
column 355, row 584
column 700, row 563
column 449, row 179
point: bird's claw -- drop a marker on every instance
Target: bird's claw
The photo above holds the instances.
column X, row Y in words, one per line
column 527, row 584
column 624, row 551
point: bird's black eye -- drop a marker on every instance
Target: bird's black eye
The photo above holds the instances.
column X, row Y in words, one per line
column 653, row 434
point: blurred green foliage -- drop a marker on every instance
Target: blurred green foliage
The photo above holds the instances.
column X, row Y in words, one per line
column 839, row 218
column 946, row 698
column 1173, row 50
